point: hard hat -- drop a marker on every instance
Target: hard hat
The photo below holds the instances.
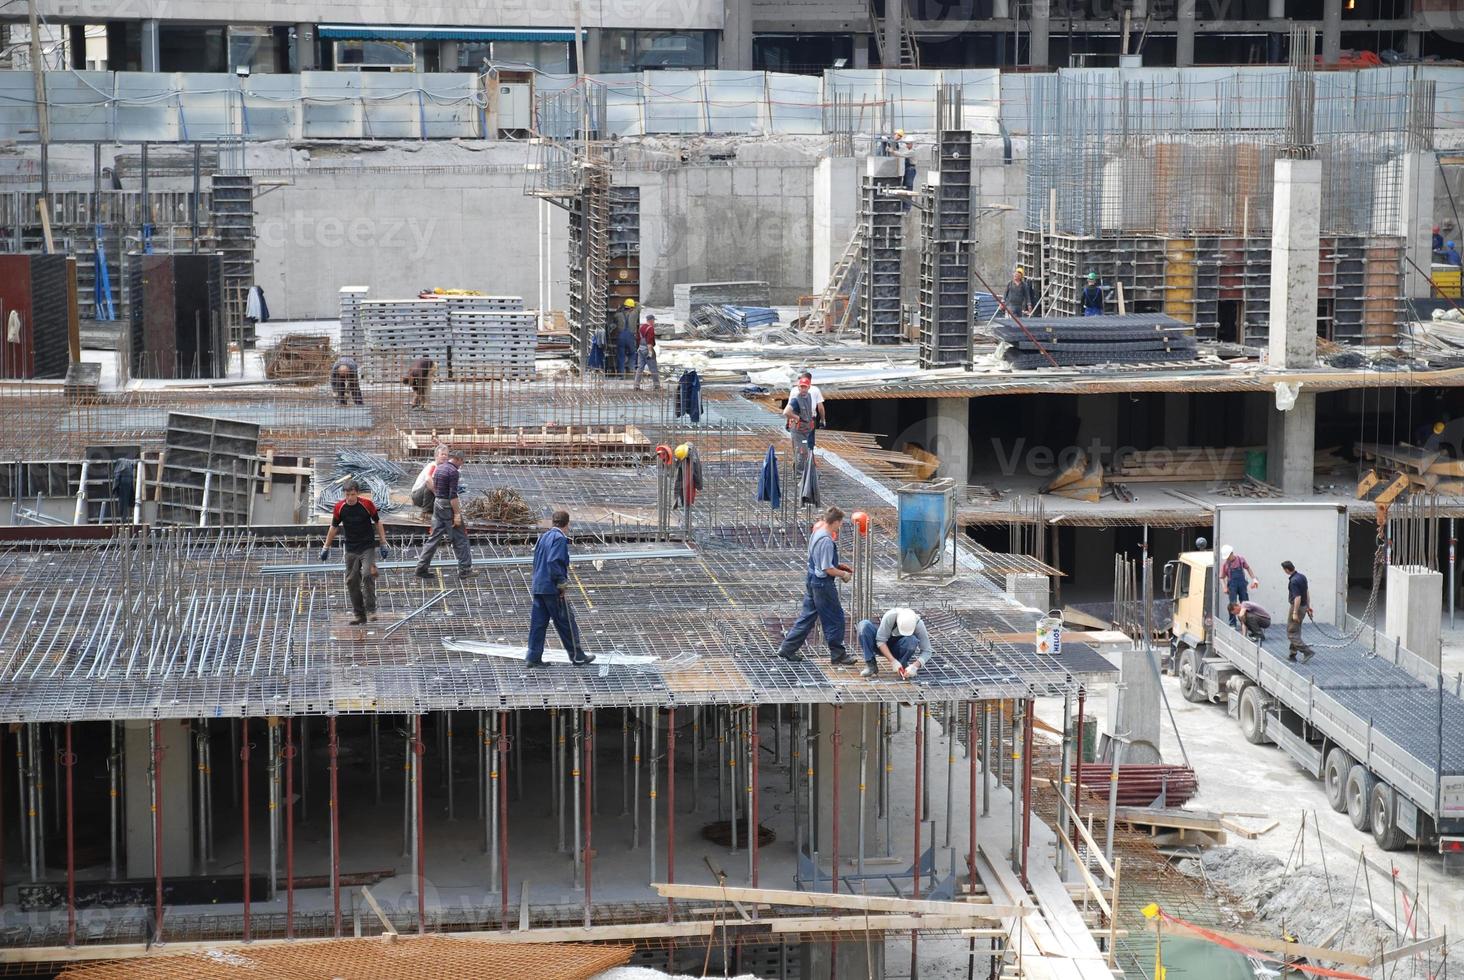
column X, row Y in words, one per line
column 1450, row 244
column 663, row 452
column 860, row 520
column 1438, row 428
column 1092, row 277
column 682, row 450
column 906, row 620
column 1020, row 269
column 1226, row 551
column 1201, row 544
column 630, row 304
column 899, row 132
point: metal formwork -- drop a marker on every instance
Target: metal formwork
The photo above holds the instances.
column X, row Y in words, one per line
column 231, row 207
column 947, row 241
column 882, row 216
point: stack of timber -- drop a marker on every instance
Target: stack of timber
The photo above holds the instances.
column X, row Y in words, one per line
column 1082, row 479
column 1434, row 469
column 1183, row 464
column 1077, row 341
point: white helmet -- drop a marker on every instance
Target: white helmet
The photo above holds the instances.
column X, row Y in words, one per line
column 1225, row 552
column 906, row 620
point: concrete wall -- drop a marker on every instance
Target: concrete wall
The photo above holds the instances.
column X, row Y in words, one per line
column 693, row 14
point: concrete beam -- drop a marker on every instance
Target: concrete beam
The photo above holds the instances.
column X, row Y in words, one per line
column 1413, row 609
column 1295, row 263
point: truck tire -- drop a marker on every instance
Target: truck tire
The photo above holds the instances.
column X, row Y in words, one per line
column 1360, row 785
column 1334, row 776
column 1382, row 806
column 1253, row 716
column 1191, row 685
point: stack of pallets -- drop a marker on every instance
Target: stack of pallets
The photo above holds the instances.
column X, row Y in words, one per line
column 353, row 338
column 398, row 330
column 489, row 344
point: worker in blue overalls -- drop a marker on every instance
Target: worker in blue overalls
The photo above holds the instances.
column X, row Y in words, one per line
column 1092, row 296
column 546, row 584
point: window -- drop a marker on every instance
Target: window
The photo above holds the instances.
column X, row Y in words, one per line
column 550, row 56
column 627, row 50
column 185, row 48
column 255, row 48
column 375, row 56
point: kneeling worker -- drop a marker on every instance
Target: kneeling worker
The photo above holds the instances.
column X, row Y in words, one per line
column 1252, row 617
column 345, row 381
column 902, row 638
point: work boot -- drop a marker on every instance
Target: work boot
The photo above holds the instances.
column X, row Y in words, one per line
column 584, row 659
column 870, row 670
column 840, row 659
column 1306, row 657
column 792, row 656
column 360, row 620
column 424, row 574
column 533, row 664
column 468, row 573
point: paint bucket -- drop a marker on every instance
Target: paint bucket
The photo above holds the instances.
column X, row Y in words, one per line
column 1049, row 634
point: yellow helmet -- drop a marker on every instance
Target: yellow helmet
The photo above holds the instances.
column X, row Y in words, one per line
column 1438, row 428
column 630, row 304
column 682, row 450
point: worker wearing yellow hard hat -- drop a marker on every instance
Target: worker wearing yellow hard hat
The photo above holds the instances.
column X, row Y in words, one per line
column 630, row 304
column 1020, row 298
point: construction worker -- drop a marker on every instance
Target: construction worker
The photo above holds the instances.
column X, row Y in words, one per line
column 645, row 353
column 1438, row 242
column 1252, row 618
column 447, row 519
column 551, row 572
column 804, row 410
column 419, row 379
column 1092, row 298
column 345, row 381
column 899, row 146
column 1298, row 607
column 821, row 594
column 620, row 332
column 903, row 639
column 1020, row 298
column 1236, row 573
column 365, row 538
column 1451, row 253
column 423, row 492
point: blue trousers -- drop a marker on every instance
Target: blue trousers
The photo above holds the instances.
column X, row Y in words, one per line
column 1236, row 590
column 904, row 648
column 821, row 603
column 553, row 609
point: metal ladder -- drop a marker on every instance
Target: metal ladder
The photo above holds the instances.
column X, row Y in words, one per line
column 909, row 50
column 841, row 282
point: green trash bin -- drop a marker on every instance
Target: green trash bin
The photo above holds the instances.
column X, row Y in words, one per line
column 1255, row 464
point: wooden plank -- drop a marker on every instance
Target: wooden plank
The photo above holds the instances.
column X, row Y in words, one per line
column 823, row 900
column 893, row 922
column 1412, row 949
column 1173, row 819
column 371, row 901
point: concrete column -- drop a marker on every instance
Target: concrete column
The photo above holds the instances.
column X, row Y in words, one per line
column 894, row 25
column 1331, row 31
column 950, row 420
column 305, row 47
column 592, row 51
column 1414, row 609
column 177, row 772
column 1295, row 263
column 1139, row 10
column 150, row 56
column 1415, row 218
column 1135, row 708
column 1000, row 9
column 1184, row 45
column 835, row 211
column 1041, row 22
column 735, row 50
column 447, row 56
column 861, row 51
column 1291, row 446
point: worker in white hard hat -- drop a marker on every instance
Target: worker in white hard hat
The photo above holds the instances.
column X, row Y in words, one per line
column 898, row 146
column 901, row 638
column 1236, row 573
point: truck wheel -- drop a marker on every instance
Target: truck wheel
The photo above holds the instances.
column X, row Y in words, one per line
column 1253, row 716
column 1385, row 819
column 1334, row 775
column 1360, row 785
column 1191, row 686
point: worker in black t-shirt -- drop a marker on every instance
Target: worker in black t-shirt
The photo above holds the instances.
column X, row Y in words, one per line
column 363, row 530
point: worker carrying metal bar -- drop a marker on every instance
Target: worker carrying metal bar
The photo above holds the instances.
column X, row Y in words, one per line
column 1298, row 600
column 1092, row 297
column 1019, row 298
column 1252, row 617
column 419, row 379
column 345, row 381
column 447, row 519
column 1236, row 573
column 821, row 594
column 901, row 637
column 423, row 490
column 365, row 539
column 551, row 573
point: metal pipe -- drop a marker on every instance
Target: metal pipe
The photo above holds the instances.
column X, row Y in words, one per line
column 1062, row 769
column 809, row 747
column 557, row 719
column 973, row 775
column 272, row 770
column 1112, row 799
column 244, row 812
column 447, row 766
column 1027, row 726
column 651, row 714
column 1016, row 755
column 671, row 807
column 636, row 765
column 156, row 772
column 721, row 759
column 69, row 763
column 624, row 761
column 518, row 755
column 986, row 760
column 920, row 713
column 863, row 760
column 376, row 755
column 113, row 801
column 22, row 797
column 289, row 754
column 304, row 767
column 754, row 804
column 335, row 823
column 950, row 737
column 503, row 818
column 418, row 752
column 574, row 779
column 834, row 842
column 208, row 796
column 495, row 787
column 407, row 773
column 698, row 746
column 482, row 774
column 734, row 749
column 589, row 808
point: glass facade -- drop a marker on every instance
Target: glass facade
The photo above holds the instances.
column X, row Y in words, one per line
column 548, row 56
column 629, row 50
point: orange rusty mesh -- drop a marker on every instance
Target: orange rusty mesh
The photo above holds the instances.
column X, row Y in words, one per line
column 416, row 958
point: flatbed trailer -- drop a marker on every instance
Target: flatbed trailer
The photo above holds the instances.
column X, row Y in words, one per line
column 1375, row 722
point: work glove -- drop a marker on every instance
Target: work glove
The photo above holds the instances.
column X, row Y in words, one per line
column 324, row 553
column 383, row 551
